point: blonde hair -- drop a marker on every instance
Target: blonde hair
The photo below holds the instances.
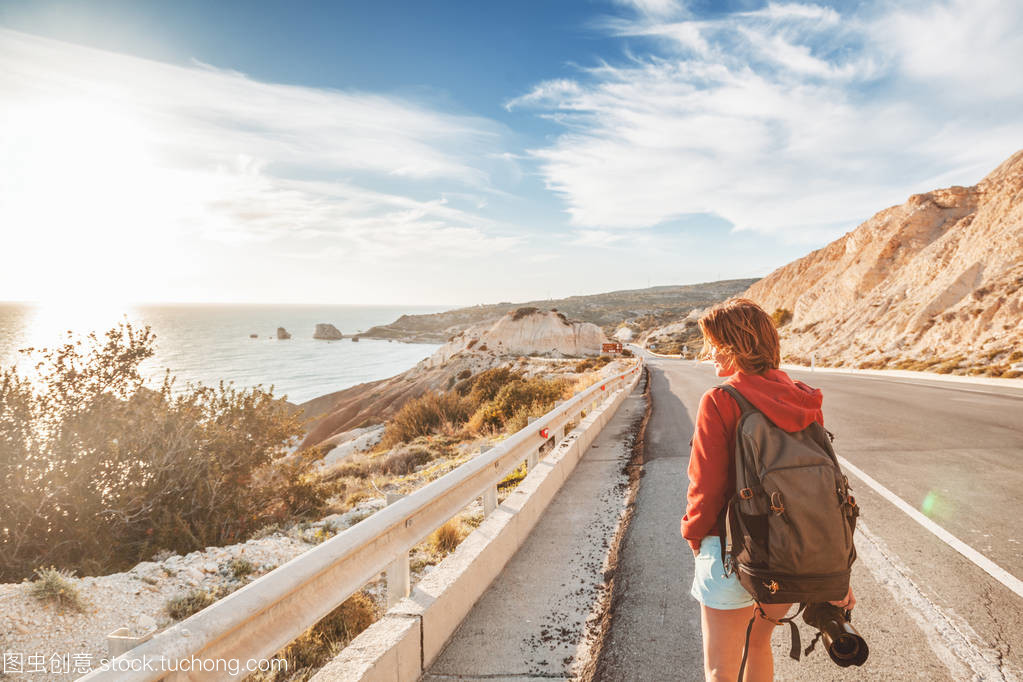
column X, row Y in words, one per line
column 742, row 331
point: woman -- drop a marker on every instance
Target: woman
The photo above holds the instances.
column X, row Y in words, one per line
column 742, row 341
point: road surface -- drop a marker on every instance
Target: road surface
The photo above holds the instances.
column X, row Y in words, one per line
column 952, row 450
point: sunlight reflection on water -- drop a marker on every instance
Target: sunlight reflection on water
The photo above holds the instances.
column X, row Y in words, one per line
column 208, row 343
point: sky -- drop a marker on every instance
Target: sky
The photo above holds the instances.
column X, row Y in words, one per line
column 462, row 152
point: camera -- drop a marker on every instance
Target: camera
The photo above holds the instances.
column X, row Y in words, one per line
column 845, row 646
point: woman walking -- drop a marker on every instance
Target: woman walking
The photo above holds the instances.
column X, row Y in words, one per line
column 743, row 342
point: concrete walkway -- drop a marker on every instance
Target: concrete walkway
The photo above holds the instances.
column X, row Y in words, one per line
column 546, row 612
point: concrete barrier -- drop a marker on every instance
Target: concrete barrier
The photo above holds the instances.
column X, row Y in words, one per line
column 442, row 599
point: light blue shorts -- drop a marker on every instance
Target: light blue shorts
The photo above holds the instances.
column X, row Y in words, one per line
column 710, row 586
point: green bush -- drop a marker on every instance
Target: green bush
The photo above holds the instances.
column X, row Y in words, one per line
column 99, row 472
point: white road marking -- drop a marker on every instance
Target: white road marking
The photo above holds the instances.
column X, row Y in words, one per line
column 981, row 561
column 956, row 646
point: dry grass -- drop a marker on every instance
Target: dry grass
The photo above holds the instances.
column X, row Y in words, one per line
column 591, row 364
column 445, row 539
column 56, row 587
column 240, row 567
column 323, row 641
column 781, row 316
column 184, row 605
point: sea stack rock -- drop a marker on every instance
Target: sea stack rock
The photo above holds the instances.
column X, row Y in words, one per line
column 282, row 333
column 355, row 338
column 327, row 332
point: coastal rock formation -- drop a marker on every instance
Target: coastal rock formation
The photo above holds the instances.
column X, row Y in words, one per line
column 282, row 333
column 624, row 335
column 327, row 332
column 940, row 276
column 526, row 331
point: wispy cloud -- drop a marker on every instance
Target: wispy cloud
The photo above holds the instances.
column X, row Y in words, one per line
column 791, row 119
column 104, row 148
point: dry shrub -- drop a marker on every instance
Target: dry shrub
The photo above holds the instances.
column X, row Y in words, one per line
column 185, row 605
column 315, row 647
column 590, row 364
column 405, row 459
column 56, row 587
column 445, row 539
column 430, row 413
column 99, row 472
column 535, row 396
column 485, row 385
column 781, row 316
column 523, row 312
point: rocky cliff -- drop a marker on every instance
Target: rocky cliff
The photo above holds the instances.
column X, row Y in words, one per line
column 526, row 331
column 938, row 279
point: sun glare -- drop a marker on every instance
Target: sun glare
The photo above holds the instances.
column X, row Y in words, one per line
column 84, row 208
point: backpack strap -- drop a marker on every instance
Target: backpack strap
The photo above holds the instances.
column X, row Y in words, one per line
column 744, row 405
column 794, row 649
column 725, row 529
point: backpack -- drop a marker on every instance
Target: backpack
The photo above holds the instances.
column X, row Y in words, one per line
column 788, row 529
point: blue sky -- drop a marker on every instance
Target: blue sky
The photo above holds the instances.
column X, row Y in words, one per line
column 409, row 152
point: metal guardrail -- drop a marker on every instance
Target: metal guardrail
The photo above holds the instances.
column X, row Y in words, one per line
column 264, row 616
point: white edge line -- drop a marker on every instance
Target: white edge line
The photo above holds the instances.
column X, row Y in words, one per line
column 990, row 567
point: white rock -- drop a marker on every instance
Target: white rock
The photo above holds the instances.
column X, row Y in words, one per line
column 543, row 332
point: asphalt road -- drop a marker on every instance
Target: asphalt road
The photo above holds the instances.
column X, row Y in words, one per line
column 952, row 450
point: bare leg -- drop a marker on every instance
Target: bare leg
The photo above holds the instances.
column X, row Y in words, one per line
column 724, row 633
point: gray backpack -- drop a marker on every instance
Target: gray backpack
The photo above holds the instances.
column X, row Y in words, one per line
column 788, row 529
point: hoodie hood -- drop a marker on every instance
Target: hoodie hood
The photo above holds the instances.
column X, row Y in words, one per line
column 791, row 405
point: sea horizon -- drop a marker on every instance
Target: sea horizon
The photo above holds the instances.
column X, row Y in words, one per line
column 211, row 341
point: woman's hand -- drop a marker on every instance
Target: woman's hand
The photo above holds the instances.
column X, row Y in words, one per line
column 848, row 603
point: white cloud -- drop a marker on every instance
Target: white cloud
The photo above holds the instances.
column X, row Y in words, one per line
column 599, row 238
column 960, row 49
column 789, row 120
column 111, row 161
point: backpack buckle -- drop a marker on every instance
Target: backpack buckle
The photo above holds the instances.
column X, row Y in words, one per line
column 777, row 506
column 746, row 493
column 772, row 587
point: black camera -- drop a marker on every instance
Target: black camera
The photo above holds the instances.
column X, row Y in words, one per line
column 845, row 646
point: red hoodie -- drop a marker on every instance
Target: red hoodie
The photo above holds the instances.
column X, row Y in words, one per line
column 791, row 405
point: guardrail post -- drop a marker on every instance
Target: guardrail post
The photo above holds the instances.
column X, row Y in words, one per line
column 398, row 578
column 490, row 495
column 534, row 455
column 489, row 500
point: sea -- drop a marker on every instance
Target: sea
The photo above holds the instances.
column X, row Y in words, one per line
column 209, row 343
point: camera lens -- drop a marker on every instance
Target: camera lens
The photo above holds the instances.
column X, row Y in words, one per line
column 845, row 647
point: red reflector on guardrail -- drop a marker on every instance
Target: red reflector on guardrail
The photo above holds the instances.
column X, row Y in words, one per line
column 545, row 433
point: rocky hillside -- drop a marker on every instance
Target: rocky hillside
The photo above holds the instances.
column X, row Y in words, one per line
column 527, row 331
column 523, row 332
column 934, row 283
column 641, row 309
